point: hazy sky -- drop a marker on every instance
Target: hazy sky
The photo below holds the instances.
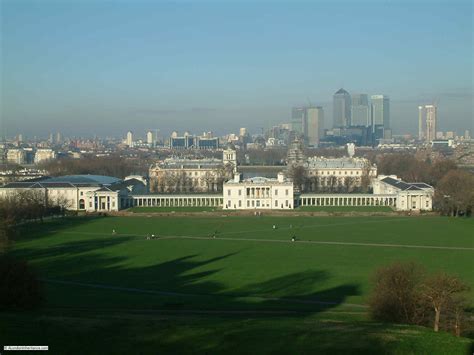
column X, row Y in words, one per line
column 86, row 67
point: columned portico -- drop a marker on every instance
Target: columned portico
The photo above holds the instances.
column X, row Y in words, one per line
column 177, row 201
column 347, row 200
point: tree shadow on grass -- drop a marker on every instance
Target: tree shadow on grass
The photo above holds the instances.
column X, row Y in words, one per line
column 90, row 276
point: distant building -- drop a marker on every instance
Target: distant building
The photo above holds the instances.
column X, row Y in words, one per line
column 189, row 141
column 295, row 155
column 334, row 172
column 427, row 123
column 380, row 112
column 129, row 139
column 44, row 155
column 341, row 109
column 360, row 110
column 192, row 175
column 298, row 120
column 258, row 193
column 315, row 125
column 16, row 156
column 150, row 139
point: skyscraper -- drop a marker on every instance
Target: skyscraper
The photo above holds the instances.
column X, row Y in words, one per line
column 360, row 110
column 298, row 119
column 129, row 140
column 341, row 109
column 149, row 138
column 380, row 111
column 427, row 123
column 315, row 124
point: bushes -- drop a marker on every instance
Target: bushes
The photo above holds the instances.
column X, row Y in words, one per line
column 403, row 293
column 19, row 286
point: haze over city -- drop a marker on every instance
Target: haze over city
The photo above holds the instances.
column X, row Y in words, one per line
column 86, row 68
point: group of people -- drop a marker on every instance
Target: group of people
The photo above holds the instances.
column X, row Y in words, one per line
column 293, row 238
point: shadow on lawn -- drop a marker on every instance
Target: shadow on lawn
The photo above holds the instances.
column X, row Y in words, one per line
column 99, row 279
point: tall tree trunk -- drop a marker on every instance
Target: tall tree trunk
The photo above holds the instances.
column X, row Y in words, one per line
column 436, row 322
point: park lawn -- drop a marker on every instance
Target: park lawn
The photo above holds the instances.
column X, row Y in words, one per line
column 249, row 267
column 345, row 209
column 114, row 332
column 173, row 209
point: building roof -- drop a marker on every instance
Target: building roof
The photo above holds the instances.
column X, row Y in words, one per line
column 406, row 186
column 190, row 164
column 341, row 91
column 258, row 180
column 85, row 179
column 337, row 163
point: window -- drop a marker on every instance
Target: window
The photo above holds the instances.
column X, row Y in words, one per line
column 276, row 192
column 286, row 192
column 253, row 203
column 248, row 203
column 258, row 203
column 82, row 193
column 286, row 203
column 276, row 203
column 228, row 203
column 82, row 204
column 240, row 202
column 240, row 192
column 90, row 204
column 228, row 192
column 427, row 204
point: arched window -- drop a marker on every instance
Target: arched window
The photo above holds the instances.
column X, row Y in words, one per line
column 82, row 204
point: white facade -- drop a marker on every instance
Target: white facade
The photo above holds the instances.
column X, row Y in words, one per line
column 197, row 175
column 415, row 196
column 16, row 156
column 44, row 154
column 258, row 193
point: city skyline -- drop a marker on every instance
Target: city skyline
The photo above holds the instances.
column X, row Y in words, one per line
column 227, row 66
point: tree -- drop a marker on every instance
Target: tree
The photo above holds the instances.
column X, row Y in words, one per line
column 395, row 295
column 455, row 193
column 441, row 290
column 299, row 175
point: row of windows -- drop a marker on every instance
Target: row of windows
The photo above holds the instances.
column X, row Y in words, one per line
column 334, row 172
column 229, row 191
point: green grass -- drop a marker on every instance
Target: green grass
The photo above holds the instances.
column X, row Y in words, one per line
column 345, row 209
column 173, row 209
column 249, row 267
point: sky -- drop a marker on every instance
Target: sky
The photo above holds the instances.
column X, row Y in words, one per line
column 104, row 67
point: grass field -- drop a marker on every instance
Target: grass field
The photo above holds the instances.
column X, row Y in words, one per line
column 262, row 291
column 345, row 209
column 173, row 209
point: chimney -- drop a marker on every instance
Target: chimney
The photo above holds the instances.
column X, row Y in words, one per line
column 281, row 177
column 237, row 178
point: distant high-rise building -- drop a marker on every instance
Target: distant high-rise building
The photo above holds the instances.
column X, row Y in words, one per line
column 129, row 140
column 427, row 123
column 360, row 111
column 341, row 109
column 380, row 111
column 315, row 124
column 58, row 137
column 242, row 132
column 51, row 138
column 298, row 119
column 149, row 138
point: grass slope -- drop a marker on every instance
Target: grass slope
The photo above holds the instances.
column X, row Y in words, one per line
column 249, row 267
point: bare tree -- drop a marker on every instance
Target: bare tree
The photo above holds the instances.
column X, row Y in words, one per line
column 440, row 291
column 455, row 193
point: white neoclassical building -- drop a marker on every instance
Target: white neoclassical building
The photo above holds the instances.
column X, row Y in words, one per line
column 197, row 175
column 258, row 193
column 416, row 196
column 91, row 193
